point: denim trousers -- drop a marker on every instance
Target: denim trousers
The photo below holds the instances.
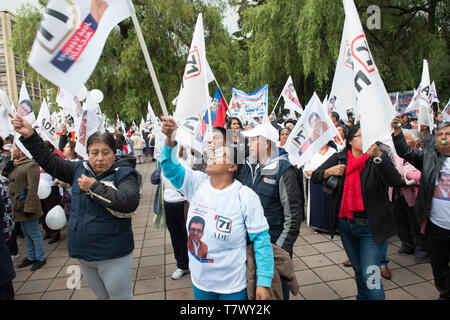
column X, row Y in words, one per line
column 34, row 240
column 365, row 256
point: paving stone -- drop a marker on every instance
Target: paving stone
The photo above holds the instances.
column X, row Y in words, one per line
column 330, row 273
column 180, row 294
column 305, row 250
column 152, row 251
column 34, row 286
column 32, row 296
column 404, row 261
column 148, row 286
column 150, row 296
column 404, row 277
column 57, row 295
column 423, row 270
column 316, row 261
column 153, row 242
column 423, row 291
column 398, row 294
column 318, row 291
column 59, row 284
column 307, row 277
column 150, row 272
column 45, row 273
column 337, row 257
column 344, row 288
column 298, row 264
column 315, row 238
column 184, row 282
column 56, row 262
column 151, row 261
column 327, row 247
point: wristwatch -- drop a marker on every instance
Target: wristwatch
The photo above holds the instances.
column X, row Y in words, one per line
column 377, row 160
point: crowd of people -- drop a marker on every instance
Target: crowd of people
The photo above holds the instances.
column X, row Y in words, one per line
column 234, row 211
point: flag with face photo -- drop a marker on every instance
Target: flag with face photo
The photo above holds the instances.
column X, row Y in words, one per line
column 71, row 38
column 71, row 104
column 312, row 132
column 87, row 126
column 366, row 91
column 25, row 109
column 446, row 112
column 291, row 100
column 193, row 98
column 47, row 125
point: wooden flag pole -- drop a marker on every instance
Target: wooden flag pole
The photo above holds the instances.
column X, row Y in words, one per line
column 147, row 59
column 276, row 104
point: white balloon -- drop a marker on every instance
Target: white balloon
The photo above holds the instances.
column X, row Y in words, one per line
column 82, row 93
column 56, row 218
column 44, row 189
column 96, row 96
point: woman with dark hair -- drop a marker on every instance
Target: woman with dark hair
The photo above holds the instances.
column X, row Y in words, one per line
column 105, row 193
column 360, row 208
column 121, row 144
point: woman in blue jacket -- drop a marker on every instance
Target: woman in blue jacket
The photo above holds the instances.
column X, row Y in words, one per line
column 105, row 193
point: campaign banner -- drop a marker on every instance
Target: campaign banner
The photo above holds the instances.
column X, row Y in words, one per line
column 312, row 132
column 254, row 104
column 446, row 112
column 87, row 126
column 71, row 38
column 404, row 99
column 47, row 126
column 290, row 97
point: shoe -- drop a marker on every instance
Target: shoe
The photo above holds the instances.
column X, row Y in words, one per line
column 25, row 263
column 38, row 264
column 405, row 250
column 347, row 264
column 385, row 272
column 53, row 240
column 14, row 256
column 47, row 236
column 179, row 273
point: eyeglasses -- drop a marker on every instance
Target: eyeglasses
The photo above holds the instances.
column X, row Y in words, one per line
column 195, row 230
column 357, row 136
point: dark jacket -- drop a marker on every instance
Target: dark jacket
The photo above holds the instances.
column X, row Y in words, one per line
column 277, row 184
column 429, row 162
column 7, row 272
column 23, row 190
column 99, row 224
column 63, row 140
column 375, row 181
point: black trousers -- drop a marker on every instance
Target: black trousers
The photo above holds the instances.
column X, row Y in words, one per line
column 178, row 234
column 438, row 249
column 7, row 291
column 407, row 225
column 12, row 242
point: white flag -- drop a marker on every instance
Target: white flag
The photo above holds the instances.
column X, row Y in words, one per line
column 25, row 109
column 194, row 96
column 446, row 112
column 425, row 110
column 290, row 97
column 87, row 126
column 372, row 100
column 434, row 97
column 71, row 104
column 47, row 126
column 71, row 38
column 312, row 132
column 414, row 104
column 150, row 114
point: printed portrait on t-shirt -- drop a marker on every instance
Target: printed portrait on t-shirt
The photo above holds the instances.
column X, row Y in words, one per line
column 442, row 188
column 196, row 229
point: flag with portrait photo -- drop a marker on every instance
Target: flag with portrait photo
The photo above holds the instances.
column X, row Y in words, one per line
column 193, row 98
column 87, row 126
column 71, row 38
column 312, row 132
column 25, row 109
column 446, row 112
column 291, row 101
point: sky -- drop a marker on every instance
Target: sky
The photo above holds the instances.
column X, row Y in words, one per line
column 230, row 20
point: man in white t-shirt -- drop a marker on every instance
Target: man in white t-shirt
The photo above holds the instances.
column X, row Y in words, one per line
column 432, row 208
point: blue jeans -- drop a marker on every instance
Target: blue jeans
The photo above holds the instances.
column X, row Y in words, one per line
column 204, row 295
column 365, row 256
column 384, row 259
column 34, row 240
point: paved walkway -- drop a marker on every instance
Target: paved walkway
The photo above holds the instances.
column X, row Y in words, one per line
column 317, row 259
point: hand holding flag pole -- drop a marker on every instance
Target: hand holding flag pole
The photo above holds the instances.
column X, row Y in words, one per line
column 147, row 59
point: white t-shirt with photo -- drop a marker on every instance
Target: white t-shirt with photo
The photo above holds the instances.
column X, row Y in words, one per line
column 228, row 215
column 440, row 207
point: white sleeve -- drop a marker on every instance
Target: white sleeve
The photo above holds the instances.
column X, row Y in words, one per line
column 254, row 218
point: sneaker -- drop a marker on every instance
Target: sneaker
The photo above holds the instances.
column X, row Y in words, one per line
column 179, row 273
column 405, row 250
column 25, row 263
column 38, row 264
column 14, row 257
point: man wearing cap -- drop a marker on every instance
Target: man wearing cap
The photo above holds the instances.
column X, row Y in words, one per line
column 277, row 184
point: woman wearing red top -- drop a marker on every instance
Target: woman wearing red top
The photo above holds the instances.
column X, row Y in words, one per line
column 360, row 208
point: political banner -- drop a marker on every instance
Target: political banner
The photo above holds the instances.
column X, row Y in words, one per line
column 193, row 98
column 71, row 38
column 312, row 132
column 446, row 112
column 291, row 101
column 87, row 126
column 254, row 104
column 433, row 93
column 71, row 104
column 190, row 133
column 366, row 91
column 404, row 99
column 47, row 126
column 425, row 99
column 4, row 122
column 25, row 109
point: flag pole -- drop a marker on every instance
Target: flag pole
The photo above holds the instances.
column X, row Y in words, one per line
column 228, row 109
column 276, row 104
column 147, row 59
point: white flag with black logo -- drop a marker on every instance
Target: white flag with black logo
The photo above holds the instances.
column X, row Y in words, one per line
column 194, row 96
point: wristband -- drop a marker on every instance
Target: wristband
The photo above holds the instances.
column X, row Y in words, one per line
column 377, row 160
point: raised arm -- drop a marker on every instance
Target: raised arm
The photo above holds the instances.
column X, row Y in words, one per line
column 52, row 164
